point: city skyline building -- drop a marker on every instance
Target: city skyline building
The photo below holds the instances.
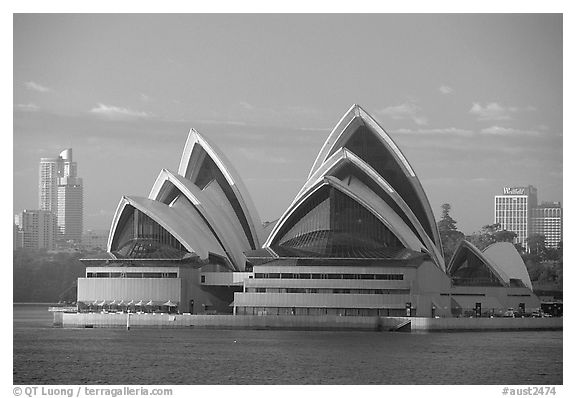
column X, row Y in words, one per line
column 517, row 210
column 512, row 210
column 70, row 208
column 38, row 229
column 61, row 192
column 547, row 221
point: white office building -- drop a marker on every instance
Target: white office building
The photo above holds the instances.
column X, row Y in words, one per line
column 512, row 210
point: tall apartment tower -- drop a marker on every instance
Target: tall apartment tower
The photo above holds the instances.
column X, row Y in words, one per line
column 38, row 229
column 513, row 211
column 547, row 221
column 61, row 193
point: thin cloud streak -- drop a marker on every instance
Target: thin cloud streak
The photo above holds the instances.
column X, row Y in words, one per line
column 33, row 86
column 115, row 112
column 505, row 131
column 31, row 107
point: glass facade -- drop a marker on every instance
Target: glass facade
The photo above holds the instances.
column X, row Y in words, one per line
column 142, row 237
column 470, row 270
column 352, row 171
column 331, row 224
column 367, row 146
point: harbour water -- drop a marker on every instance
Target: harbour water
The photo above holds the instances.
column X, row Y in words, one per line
column 46, row 355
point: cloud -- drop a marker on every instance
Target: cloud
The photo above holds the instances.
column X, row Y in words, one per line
column 495, row 111
column 405, row 111
column 446, row 90
column 27, row 107
column 36, row 87
column 439, row 131
column 114, row 112
column 505, row 131
column 492, row 111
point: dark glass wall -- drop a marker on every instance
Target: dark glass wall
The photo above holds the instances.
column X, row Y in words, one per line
column 470, row 270
column 140, row 236
column 331, row 224
column 367, row 146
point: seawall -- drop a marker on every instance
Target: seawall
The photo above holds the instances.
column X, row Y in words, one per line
column 295, row 322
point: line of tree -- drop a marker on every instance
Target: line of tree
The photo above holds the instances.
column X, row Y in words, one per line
column 46, row 277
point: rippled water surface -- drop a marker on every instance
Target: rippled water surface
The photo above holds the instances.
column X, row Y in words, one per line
column 46, row 355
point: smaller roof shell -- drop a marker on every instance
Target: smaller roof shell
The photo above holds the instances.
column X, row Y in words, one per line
column 509, row 260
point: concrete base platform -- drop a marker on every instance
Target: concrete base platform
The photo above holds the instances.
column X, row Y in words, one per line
column 296, row 322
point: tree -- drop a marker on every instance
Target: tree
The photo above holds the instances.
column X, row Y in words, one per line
column 505, row 236
column 489, row 234
column 449, row 234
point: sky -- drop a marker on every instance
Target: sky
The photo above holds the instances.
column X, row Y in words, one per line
column 474, row 101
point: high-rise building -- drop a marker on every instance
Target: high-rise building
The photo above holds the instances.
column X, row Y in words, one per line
column 61, row 192
column 39, row 229
column 70, row 208
column 547, row 221
column 517, row 210
column 512, row 210
column 51, row 169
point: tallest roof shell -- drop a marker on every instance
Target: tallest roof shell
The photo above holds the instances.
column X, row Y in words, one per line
column 194, row 157
column 385, row 157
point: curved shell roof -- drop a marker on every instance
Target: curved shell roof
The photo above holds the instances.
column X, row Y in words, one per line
column 343, row 157
column 509, row 261
column 501, row 258
column 357, row 191
column 383, row 176
column 357, row 123
column 196, row 149
column 220, row 220
column 205, row 206
column 178, row 221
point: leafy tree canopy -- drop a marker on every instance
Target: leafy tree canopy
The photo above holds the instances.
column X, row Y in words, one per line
column 449, row 234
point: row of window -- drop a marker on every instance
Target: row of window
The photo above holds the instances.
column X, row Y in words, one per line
column 132, row 275
column 320, row 311
column 326, row 291
column 386, row 277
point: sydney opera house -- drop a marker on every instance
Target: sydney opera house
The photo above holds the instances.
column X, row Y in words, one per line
column 359, row 239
